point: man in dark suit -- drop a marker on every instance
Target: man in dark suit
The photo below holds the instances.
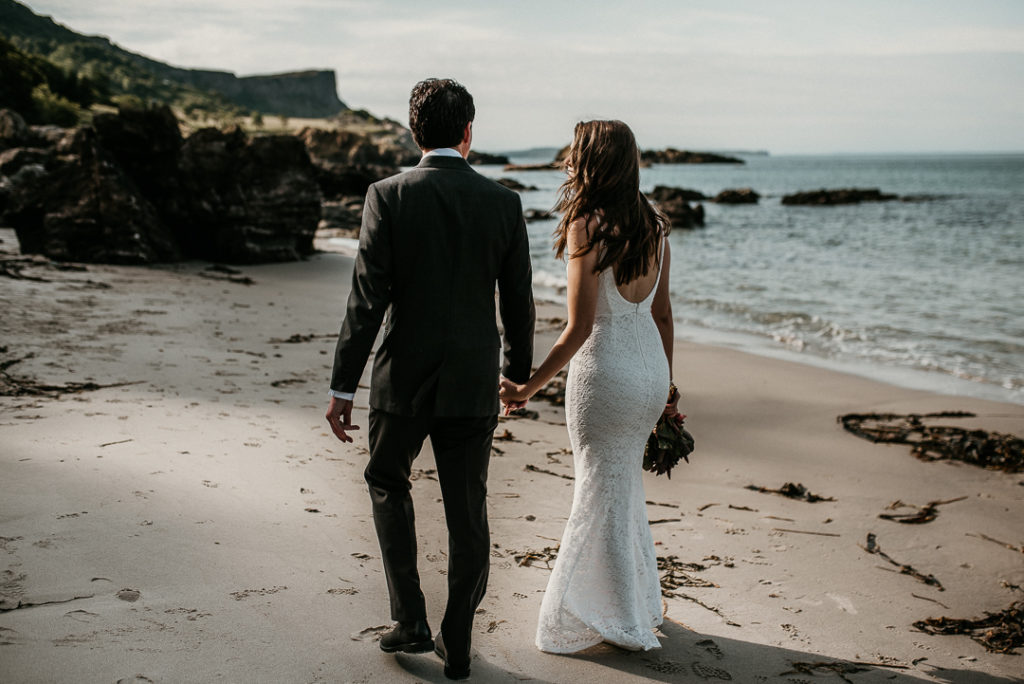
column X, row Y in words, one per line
column 434, row 242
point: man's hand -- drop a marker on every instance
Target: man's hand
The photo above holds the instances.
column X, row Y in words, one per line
column 513, row 397
column 339, row 415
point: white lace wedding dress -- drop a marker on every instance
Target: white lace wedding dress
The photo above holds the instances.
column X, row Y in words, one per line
column 605, row 586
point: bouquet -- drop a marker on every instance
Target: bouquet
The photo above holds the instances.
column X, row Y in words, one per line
column 669, row 442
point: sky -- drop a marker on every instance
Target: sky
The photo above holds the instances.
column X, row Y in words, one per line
column 787, row 76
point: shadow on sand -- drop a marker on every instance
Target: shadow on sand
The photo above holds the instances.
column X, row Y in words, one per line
column 687, row 656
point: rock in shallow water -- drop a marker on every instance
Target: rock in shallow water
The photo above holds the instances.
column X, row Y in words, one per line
column 841, row 196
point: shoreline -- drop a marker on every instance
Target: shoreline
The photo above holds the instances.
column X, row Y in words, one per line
column 905, row 377
column 199, row 522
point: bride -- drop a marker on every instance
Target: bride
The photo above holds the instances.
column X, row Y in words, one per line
column 605, row 586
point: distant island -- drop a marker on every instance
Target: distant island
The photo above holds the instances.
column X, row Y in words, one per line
column 670, row 155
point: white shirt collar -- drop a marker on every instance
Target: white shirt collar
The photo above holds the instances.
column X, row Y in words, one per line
column 443, row 152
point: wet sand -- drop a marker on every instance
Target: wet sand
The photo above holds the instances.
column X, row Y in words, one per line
column 196, row 521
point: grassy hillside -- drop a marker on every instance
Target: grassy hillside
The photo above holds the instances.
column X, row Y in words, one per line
column 41, row 91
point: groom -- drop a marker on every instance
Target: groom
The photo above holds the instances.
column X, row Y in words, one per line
column 434, row 242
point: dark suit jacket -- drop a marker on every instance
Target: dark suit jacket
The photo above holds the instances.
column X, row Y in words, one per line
column 434, row 241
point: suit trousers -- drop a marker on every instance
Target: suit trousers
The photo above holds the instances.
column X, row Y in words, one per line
column 462, row 450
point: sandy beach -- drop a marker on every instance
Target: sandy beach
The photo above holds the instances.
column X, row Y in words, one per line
column 174, row 508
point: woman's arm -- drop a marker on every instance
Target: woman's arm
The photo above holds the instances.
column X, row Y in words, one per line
column 582, row 302
column 661, row 310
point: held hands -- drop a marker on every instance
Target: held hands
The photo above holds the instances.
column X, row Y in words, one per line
column 513, row 396
column 339, row 415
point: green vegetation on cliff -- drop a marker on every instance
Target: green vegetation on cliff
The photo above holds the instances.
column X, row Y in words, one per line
column 43, row 92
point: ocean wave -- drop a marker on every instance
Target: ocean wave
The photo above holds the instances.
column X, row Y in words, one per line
column 550, row 281
column 883, row 346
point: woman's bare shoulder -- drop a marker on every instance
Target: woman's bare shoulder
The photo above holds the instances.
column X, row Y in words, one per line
column 580, row 232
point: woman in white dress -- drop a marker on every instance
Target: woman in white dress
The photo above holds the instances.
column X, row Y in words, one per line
column 605, row 585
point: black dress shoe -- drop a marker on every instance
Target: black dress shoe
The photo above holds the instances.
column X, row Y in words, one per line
column 407, row 637
column 451, row 671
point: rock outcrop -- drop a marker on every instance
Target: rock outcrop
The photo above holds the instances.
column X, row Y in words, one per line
column 129, row 189
column 841, row 196
column 486, row 158
column 348, row 162
column 254, row 199
column 513, row 184
column 665, row 193
column 80, row 205
column 675, row 204
column 545, row 166
column 670, row 155
column 537, row 215
column 341, row 218
column 14, row 132
column 737, row 196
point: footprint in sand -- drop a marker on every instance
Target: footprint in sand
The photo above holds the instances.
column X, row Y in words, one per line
column 8, row 636
column 81, row 615
column 369, row 633
column 665, row 666
column 135, row 679
column 129, row 595
column 246, row 593
column 710, row 672
column 4, row 541
column 712, row 648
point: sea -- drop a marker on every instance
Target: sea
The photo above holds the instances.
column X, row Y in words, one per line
column 926, row 294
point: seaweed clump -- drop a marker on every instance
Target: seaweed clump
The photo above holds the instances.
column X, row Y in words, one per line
column 992, row 450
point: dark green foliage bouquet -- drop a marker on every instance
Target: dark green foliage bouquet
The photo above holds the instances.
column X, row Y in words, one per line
column 669, row 442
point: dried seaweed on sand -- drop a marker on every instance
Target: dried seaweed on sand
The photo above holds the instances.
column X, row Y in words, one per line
column 1000, row 632
column 299, row 338
column 14, row 268
column 992, row 450
column 792, row 491
column 12, row 386
column 979, row 535
column 547, row 556
column 534, row 469
column 924, row 514
column 873, row 548
column 676, row 573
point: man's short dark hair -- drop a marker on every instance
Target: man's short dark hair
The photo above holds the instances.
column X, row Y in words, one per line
column 439, row 110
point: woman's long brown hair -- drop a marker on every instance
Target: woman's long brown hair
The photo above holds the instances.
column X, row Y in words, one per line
column 604, row 181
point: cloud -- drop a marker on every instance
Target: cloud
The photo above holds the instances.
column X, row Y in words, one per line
column 788, row 75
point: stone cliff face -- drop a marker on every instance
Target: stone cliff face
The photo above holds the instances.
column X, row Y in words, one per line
column 308, row 94
column 129, row 189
